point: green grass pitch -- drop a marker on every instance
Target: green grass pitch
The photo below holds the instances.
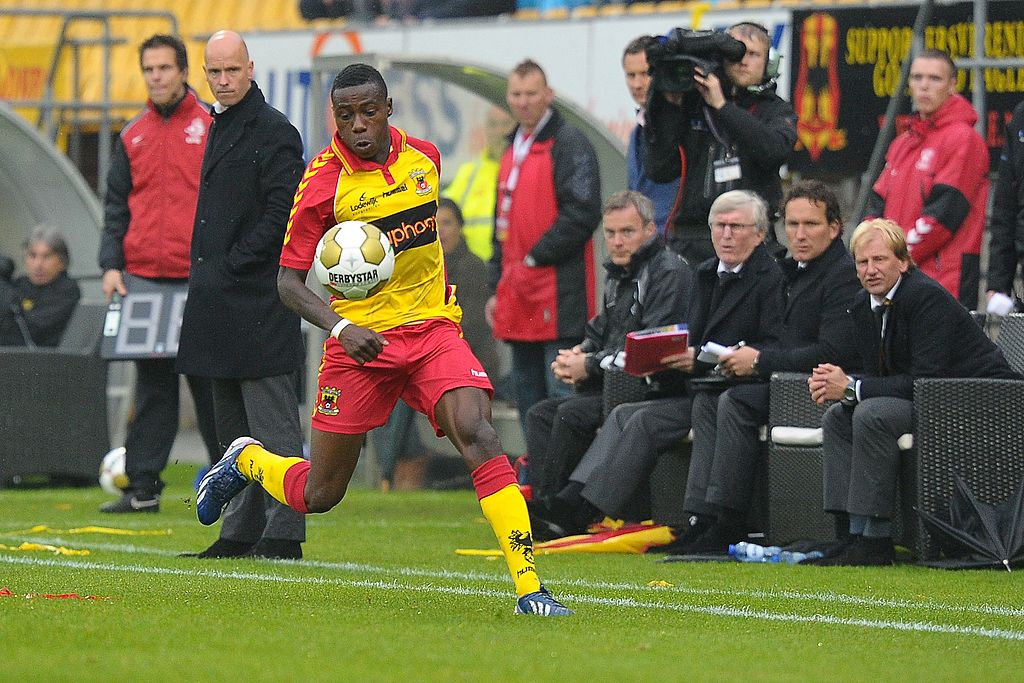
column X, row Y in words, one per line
column 381, row 596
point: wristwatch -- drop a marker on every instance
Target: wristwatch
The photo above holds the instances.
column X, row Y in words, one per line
column 850, row 393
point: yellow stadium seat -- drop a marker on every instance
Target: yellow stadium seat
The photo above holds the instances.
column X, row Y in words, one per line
column 642, row 8
column 556, row 13
column 681, row 5
column 613, row 9
column 531, row 14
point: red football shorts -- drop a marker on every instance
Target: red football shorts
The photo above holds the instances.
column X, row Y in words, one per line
column 419, row 364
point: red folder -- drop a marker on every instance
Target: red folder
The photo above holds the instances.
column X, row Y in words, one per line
column 646, row 348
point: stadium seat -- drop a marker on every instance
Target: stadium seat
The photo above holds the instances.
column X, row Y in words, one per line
column 1010, row 339
column 55, row 425
column 970, row 427
column 795, row 508
column 197, row 19
column 667, row 483
column 642, row 8
column 611, row 9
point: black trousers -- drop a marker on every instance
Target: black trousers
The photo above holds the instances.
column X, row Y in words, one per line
column 558, row 432
column 267, row 409
column 726, row 448
column 151, row 433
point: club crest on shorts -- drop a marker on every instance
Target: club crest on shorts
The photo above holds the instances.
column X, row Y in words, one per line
column 327, row 404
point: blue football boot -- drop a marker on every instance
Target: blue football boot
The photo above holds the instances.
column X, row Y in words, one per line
column 541, row 603
column 222, row 483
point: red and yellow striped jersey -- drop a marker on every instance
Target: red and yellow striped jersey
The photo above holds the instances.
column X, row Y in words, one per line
column 400, row 198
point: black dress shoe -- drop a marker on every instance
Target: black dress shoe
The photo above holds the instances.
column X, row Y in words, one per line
column 275, row 549
column 684, row 535
column 863, row 551
column 553, row 519
column 222, row 547
column 716, row 539
column 133, row 501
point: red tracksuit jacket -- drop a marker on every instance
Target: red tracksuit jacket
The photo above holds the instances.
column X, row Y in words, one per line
column 935, row 186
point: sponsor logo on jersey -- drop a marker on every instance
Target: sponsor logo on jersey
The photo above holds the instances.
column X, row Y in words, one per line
column 419, row 177
column 364, row 203
column 409, row 231
column 194, row 131
column 400, row 188
column 328, row 403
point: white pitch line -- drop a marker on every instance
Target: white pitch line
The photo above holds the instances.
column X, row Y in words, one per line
column 808, row 596
column 711, row 610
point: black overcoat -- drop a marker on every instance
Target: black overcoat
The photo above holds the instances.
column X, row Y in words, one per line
column 928, row 333
column 816, row 327
column 234, row 324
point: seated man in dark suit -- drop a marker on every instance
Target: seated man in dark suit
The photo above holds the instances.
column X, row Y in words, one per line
column 907, row 326
column 821, row 282
column 735, row 297
column 646, row 285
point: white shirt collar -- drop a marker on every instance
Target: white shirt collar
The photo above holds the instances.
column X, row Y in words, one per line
column 722, row 268
column 876, row 302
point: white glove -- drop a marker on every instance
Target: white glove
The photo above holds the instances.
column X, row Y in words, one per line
column 1000, row 304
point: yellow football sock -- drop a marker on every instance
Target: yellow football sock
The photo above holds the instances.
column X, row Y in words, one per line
column 505, row 510
column 258, row 464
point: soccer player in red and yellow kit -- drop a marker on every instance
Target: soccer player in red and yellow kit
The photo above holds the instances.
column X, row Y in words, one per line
column 404, row 341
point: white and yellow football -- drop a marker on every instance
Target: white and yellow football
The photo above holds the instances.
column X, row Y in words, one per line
column 354, row 260
column 113, row 479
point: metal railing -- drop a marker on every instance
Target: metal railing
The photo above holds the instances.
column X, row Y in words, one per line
column 52, row 110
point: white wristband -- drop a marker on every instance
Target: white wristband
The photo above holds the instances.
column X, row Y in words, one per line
column 339, row 326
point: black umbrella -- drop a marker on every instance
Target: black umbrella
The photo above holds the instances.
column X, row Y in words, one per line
column 979, row 534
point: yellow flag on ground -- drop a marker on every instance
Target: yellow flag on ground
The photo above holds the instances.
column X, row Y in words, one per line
column 629, row 539
column 111, row 531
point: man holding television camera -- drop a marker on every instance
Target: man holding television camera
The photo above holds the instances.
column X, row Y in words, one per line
column 713, row 118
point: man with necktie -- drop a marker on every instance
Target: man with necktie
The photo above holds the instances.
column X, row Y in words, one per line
column 907, row 327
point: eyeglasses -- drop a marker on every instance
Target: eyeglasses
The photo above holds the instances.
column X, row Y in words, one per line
column 731, row 227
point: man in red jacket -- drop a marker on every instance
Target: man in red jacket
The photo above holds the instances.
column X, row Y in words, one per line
column 542, row 269
column 151, row 196
column 935, row 181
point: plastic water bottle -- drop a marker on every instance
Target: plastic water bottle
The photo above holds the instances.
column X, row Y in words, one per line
column 793, row 557
column 752, row 552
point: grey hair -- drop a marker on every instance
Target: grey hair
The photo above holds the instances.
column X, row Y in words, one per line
column 53, row 239
column 734, row 200
column 628, row 198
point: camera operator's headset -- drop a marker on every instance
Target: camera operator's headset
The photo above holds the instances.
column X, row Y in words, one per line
column 771, row 65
